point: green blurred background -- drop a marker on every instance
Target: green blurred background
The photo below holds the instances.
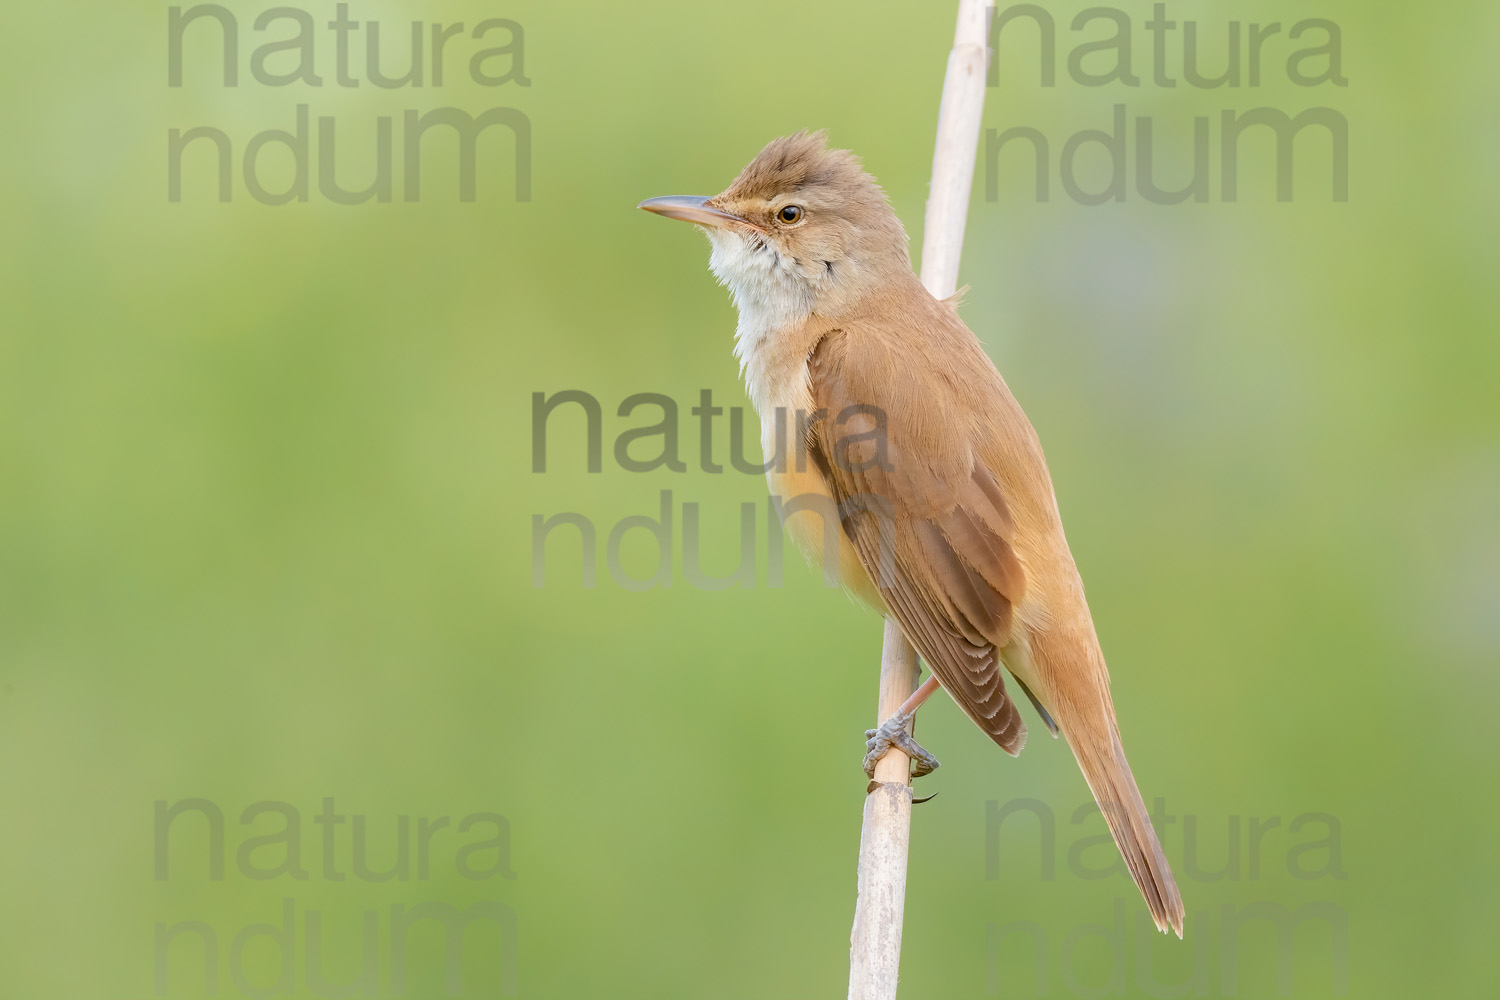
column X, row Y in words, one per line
column 266, row 510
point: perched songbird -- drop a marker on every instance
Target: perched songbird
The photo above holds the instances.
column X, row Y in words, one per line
column 878, row 402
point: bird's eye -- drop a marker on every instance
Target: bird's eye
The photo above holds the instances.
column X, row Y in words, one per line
column 790, row 214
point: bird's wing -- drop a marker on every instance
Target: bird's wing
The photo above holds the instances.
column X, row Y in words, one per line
column 928, row 521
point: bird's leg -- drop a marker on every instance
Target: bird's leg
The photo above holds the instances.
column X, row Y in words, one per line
column 892, row 733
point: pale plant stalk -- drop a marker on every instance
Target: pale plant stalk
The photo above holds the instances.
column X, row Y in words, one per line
column 885, row 837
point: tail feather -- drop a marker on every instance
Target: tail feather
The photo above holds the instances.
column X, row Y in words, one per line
column 1108, row 775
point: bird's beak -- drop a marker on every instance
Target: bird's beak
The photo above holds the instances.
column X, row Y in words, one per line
column 694, row 209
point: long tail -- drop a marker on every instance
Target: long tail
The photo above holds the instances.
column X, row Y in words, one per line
column 1097, row 747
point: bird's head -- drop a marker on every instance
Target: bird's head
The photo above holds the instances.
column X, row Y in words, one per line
column 803, row 228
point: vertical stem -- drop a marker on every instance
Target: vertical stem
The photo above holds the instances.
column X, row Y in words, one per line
column 885, row 837
column 956, row 148
column 875, row 943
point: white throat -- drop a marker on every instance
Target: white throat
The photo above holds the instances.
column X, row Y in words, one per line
column 772, row 295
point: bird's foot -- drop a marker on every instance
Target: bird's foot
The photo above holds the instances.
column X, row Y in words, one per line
column 892, row 733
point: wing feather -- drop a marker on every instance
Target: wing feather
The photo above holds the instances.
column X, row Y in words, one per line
column 929, row 524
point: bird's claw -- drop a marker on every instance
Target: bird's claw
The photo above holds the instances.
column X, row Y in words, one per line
column 892, row 733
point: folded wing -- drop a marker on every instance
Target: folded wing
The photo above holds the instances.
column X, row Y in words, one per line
column 928, row 521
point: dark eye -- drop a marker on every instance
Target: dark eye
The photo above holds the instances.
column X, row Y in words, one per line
column 790, row 214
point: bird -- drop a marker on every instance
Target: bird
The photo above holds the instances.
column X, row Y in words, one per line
column 882, row 413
